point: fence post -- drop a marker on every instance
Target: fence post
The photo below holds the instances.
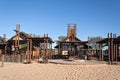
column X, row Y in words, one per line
column 2, row 60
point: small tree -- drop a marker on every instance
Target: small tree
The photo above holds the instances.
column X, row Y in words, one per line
column 61, row 38
column 93, row 43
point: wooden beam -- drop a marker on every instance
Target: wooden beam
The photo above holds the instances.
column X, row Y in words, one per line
column 118, row 45
column 102, row 56
column 18, row 45
column 44, row 46
column 51, row 50
column 109, row 62
column 27, row 60
column 2, row 60
column 111, row 49
column 99, row 53
column 116, row 51
column 40, row 52
column 59, row 48
column 30, row 43
column 114, row 36
column 47, row 45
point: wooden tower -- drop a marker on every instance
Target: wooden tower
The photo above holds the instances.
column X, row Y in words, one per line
column 71, row 30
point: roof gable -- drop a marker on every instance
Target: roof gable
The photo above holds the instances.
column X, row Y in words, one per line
column 23, row 36
column 2, row 40
column 70, row 39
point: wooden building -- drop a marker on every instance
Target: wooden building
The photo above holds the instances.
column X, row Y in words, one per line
column 28, row 45
column 42, row 45
column 113, row 51
column 71, row 45
column 2, row 45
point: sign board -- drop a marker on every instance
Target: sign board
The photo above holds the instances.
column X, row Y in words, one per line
column 65, row 52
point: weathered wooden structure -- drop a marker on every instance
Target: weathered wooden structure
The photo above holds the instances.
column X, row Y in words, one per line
column 27, row 47
column 113, row 48
column 2, row 44
column 71, row 45
column 42, row 45
column 17, row 45
column 2, row 48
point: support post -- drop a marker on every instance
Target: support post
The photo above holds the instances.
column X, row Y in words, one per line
column 89, row 54
column 113, row 47
column 30, row 43
column 44, row 46
column 47, row 45
column 45, row 59
column 18, row 42
column 59, row 48
column 19, row 58
column 27, row 60
column 51, row 51
column 116, row 51
column 109, row 49
column 113, row 51
column 40, row 51
column 99, row 53
column 102, row 56
column 2, row 60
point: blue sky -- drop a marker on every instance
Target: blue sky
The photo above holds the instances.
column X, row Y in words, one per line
column 92, row 17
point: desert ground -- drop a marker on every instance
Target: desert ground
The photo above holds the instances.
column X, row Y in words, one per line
column 50, row 71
